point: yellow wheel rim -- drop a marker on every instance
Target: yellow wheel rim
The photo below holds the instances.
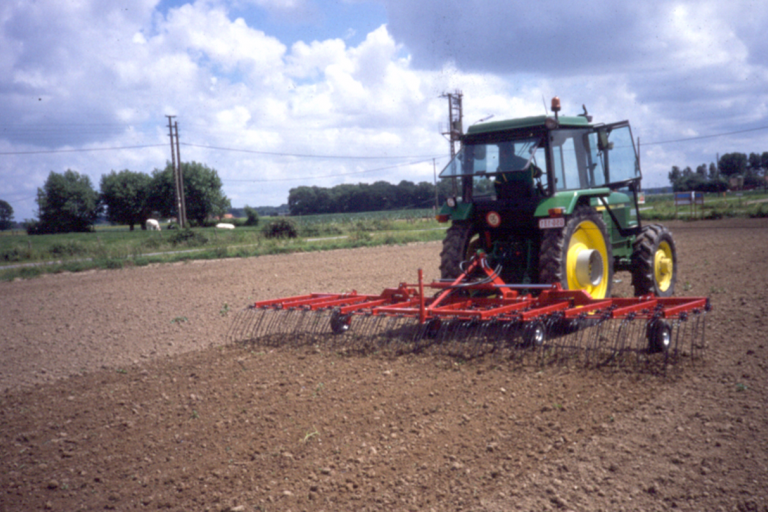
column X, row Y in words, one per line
column 663, row 266
column 587, row 261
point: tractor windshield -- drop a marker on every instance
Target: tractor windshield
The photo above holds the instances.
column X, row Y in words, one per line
column 583, row 159
column 493, row 158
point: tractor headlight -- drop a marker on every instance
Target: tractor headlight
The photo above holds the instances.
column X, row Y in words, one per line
column 451, row 201
column 551, row 123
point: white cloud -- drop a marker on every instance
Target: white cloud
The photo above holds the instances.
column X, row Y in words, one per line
column 95, row 73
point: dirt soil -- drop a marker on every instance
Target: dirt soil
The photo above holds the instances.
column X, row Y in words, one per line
column 119, row 393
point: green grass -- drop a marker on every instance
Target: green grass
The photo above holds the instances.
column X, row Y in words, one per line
column 716, row 206
column 114, row 247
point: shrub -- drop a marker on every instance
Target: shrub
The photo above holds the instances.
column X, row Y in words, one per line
column 361, row 237
column 71, row 248
column 760, row 212
column 383, row 224
column 280, row 228
column 16, row 253
column 153, row 242
column 252, row 216
column 187, row 237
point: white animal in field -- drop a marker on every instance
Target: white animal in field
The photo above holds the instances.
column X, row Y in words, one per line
column 153, row 225
column 225, row 225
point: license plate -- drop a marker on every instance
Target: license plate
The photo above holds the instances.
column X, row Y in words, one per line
column 549, row 223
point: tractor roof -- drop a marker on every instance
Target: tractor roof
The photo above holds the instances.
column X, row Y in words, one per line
column 525, row 122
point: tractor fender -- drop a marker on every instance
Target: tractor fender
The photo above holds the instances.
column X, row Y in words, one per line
column 568, row 200
column 460, row 212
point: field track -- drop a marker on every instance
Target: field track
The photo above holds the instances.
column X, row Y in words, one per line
column 118, row 393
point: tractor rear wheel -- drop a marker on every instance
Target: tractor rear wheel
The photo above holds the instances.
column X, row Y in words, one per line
column 654, row 262
column 460, row 243
column 578, row 256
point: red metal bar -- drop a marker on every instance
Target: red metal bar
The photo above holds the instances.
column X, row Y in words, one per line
column 503, row 304
column 588, row 308
column 422, row 309
column 636, row 306
column 674, row 309
column 273, row 302
column 544, row 310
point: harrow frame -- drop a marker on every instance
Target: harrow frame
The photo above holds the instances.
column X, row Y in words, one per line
column 479, row 305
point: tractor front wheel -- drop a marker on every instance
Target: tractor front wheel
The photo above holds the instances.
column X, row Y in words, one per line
column 460, row 243
column 654, row 262
column 578, row 256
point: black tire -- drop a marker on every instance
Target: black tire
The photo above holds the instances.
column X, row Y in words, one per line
column 654, row 262
column 659, row 335
column 340, row 323
column 584, row 223
column 458, row 246
column 534, row 334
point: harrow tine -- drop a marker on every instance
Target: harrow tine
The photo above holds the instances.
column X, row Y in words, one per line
column 556, row 326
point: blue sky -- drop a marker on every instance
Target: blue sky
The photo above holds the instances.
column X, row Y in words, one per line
column 274, row 94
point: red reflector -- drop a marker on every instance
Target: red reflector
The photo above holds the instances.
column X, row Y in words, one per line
column 556, row 212
column 443, row 218
column 493, row 219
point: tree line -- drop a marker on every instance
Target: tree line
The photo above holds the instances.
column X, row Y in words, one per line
column 752, row 169
column 364, row 197
column 68, row 202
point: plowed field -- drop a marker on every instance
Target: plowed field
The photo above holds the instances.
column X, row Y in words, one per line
column 119, row 393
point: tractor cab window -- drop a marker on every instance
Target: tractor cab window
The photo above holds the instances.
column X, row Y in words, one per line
column 587, row 158
column 499, row 169
column 576, row 160
column 618, row 149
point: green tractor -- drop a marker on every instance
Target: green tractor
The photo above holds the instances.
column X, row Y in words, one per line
column 554, row 199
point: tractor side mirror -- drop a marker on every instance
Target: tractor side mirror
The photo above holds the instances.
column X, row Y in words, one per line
column 602, row 141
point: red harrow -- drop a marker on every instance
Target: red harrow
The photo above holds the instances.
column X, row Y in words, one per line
column 471, row 316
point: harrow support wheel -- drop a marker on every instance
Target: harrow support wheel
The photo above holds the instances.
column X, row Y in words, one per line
column 659, row 336
column 578, row 256
column 340, row 323
column 654, row 262
column 460, row 243
column 534, row 334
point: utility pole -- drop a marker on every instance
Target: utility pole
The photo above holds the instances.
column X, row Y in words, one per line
column 178, row 181
column 454, row 119
column 434, row 171
column 180, row 174
column 454, row 127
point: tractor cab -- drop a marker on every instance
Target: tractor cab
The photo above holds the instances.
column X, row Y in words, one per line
column 549, row 199
column 521, row 162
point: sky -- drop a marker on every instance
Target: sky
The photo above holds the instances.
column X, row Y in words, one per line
column 276, row 94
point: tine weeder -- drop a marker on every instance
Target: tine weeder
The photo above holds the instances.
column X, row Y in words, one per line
column 469, row 318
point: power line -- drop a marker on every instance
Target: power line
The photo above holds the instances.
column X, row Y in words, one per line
column 81, row 150
column 318, row 156
column 705, row 136
column 305, row 178
column 300, row 155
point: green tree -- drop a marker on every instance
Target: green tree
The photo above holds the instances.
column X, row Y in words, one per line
column 674, row 175
column 124, row 194
column 67, row 202
column 6, row 215
column 764, row 165
column 713, row 172
column 202, row 192
column 252, row 216
column 733, row 164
